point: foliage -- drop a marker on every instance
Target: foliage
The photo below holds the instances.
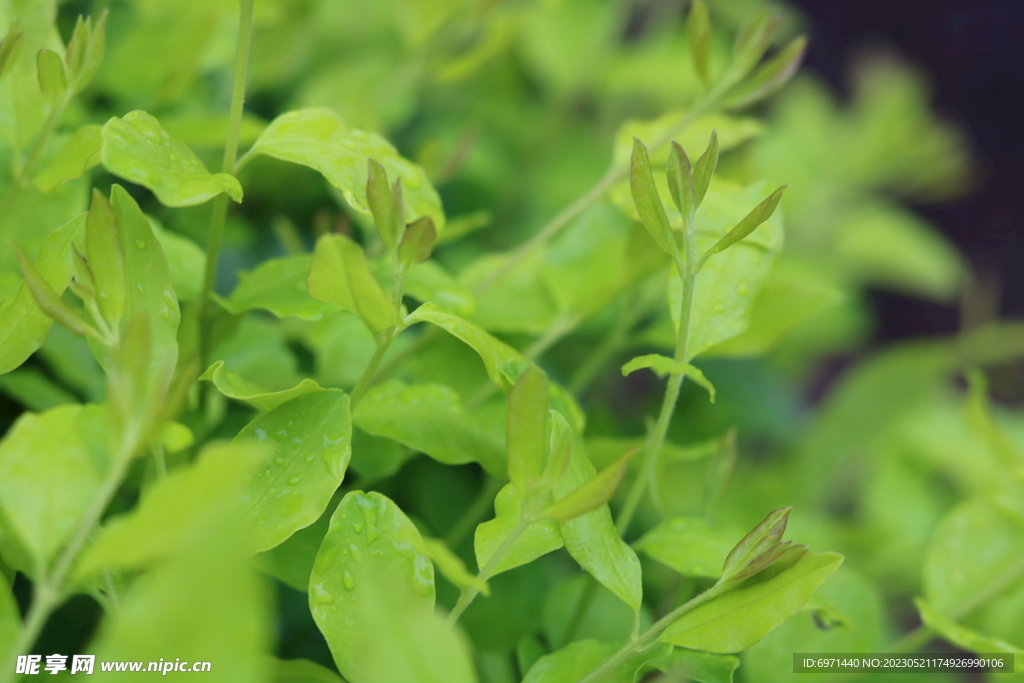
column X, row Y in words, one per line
column 253, row 454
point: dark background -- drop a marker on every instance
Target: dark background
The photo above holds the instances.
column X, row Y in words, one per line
column 973, row 51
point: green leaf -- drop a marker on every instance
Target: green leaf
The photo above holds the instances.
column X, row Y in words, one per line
column 503, row 363
column 148, row 290
column 176, row 511
column 301, row 671
column 369, row 536
column 48, row 301
column 752, row 40
column 9, row 45
column 648, row 203
column 418, row 242
column 186, row 261
column 85, row 51
column 385, row 205
column 663, row 365
column 698, row 35
column 137, row 148
column 319, row 139
column 52, row 80
column 758, row 215
column 526, row 429
column 452, row 567
column 739, row 617
column 591, row 538
column 23, row 326
column 52, row 465
column 279, row 286
column 429, row 418
column 428, row 281
column 574, row 661
column 539, row 538
column 974, row 544
column 729, row 130
column 769, row 77
column 759, row 548
column 240, row 389
column 960, row 636
column 310, row 441
column 688, row 545
column 339, row 274
column 592, row 494
column 74, row 159
column 726, row 287
column 698, row 666
column 205, row 606
column 23, row 108
column 10, row 619
column 105, row 253
column 680, row 180
column 704, row 169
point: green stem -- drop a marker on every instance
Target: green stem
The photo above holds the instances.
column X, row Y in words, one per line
column 469, row 594
column 33, row 156
column 475, row 513
column 371, row 368
column 220, row 204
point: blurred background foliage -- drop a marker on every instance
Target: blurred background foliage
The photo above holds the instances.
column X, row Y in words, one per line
column 512, row 107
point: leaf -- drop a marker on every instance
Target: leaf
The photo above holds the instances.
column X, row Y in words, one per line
column 205, row 606
column 758, row 215
column 698, row 666
column 688, row 545
column 176, row 511
column 23, row 108
column 52, row 465
column 310, row 443
column 319, row 139
column 769, row 77
column 960, row 636
column 368, row 536
column 452, row 567
column 279, row 286
column 648, row 203
column 301, row 671
column 680, row 180
column 698, row 35
column 85, row 51
column 591, row 538
column 240, row 389
column 48, row 301
column 418, row 242
column 75, row 158
column 383, row 204
column 428, row 281
column 186, row 262
column 536, row 540
column 574, row 661
column 104, row 251
column 738, row 618
column 52, row 80
column 759, row 548
column 10, row 620
column 726, row 287
column 9, row 45
column 704, row 169
column 137, row 148
column 429, row 418
column 526, row 429
column 592, row 494
column 23, row 326
column 752, row 40
column 340, row 275
column 729, row 130
column 663, row 365
column 503, row 363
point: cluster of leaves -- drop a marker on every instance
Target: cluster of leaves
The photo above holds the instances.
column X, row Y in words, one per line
column 188, row 439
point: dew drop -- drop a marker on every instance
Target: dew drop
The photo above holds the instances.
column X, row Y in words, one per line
column 357, row 527
column 741, row 288
column 718, row 308
column 294, row 480
column 278, row 461
column 346, row 578
column 140, row 244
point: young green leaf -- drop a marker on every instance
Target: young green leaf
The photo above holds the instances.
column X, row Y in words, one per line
column 75, row 158
column 279, row 286
column 698, row 666
column 752, row 40
column 526, row 429
column 769, row 77
column 23, row 325
column 574, row 661
column 418, row 242
column 105, row 254
column 560, row 451
column 738, row 618
column 537, row 539
column 698, row 35
column 382, row 204
column 83, row 284
column 648, row 203
column 52, row 465
column 369, row 536
column 52, row 80
column 704, row 169
column 663, row 365
column 319, row 139
column 961, row 636
column 233, row 386
column 9, row 45
column 452, row 567
column 759, row 548
column 680, row 180
column 758, row 215
column 429, row 418
column 340, row 275
column 300, row 671
column 85, row 51
column 138, row 149
column 48, row 300
column 592, row 494
column 688, row 545
column 592, row 539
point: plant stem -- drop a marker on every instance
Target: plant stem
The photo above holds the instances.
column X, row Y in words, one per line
column 371, row 368
column 475, row 512
column 23, row 173
column 220, row 204
column 469, row 594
